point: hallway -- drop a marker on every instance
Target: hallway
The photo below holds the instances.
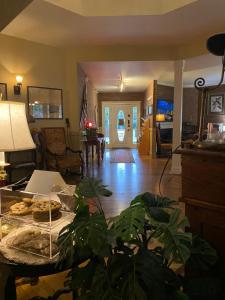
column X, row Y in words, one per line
column 126, row 180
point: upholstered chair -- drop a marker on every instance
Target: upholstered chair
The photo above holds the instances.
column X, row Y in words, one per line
column 57, row 155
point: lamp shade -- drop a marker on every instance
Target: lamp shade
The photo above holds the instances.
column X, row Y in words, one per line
column 160, row 118
column 14, row 131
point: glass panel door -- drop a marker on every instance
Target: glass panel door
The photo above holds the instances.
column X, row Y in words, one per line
column 106, row 124
column 121, row 123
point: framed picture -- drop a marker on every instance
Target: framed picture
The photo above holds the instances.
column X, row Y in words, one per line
column 216, row 104
column 45, row 103
column 3, row 91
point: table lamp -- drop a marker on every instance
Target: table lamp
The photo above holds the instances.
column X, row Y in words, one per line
column 160, row 118
column 14, row 131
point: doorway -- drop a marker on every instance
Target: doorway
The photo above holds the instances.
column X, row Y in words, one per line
column 121, row 123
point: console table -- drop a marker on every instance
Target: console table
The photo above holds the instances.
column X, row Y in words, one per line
column 203, row 191
column 90, row 143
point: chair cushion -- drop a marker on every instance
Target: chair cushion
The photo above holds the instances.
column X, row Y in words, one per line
column 69, row 161
column 55, row 140
column 57, row 148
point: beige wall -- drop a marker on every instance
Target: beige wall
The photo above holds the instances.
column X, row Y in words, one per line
column 38, row 64
column 190, row 105
column 47, row 66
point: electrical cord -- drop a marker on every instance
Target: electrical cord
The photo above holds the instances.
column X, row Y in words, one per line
column 164, row 169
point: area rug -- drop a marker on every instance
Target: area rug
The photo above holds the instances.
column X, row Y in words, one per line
column 121, row 156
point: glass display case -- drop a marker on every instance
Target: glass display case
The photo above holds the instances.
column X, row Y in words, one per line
column 30, row 224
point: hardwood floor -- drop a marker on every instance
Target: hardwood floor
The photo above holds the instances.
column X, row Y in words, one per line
column 125, row 181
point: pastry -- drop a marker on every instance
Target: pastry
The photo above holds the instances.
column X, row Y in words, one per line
column 28, row 201
column 41, row 210
column 24, row 237
column 6, row 229
column 20, row 209
column 33, row 240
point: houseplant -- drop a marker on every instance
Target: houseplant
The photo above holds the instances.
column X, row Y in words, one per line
column 131, row 256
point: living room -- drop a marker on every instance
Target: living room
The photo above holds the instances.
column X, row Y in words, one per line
column 92, row 57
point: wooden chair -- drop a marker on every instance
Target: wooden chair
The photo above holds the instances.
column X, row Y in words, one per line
column 56, row 155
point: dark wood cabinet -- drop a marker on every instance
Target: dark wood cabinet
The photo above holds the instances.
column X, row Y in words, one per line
column 203, row 191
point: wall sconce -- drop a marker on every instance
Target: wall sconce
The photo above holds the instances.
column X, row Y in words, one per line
column 17, row 87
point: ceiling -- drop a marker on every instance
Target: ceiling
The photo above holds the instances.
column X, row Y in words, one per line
column 120, row 8
column 163, row 23
column 50, row 24
column 106, row 76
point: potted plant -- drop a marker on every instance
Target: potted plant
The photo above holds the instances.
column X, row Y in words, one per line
column 134, row 255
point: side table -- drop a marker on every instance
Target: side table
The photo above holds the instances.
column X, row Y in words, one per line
column 90, row 143
column 10, row 270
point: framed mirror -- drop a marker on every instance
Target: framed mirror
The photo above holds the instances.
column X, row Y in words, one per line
column 3, row 91
column 45, row 103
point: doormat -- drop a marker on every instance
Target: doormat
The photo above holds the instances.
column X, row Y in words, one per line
column 121, row 156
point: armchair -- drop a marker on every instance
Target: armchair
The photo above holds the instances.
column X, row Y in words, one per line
column 56, row 155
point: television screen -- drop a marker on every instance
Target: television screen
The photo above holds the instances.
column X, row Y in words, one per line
column 164, row 107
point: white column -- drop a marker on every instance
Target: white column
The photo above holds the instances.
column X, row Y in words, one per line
column 177, row 114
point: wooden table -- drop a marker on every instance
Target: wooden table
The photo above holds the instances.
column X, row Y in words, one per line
column 94, row 142
column 10, row 270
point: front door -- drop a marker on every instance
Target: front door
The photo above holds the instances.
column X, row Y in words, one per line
column 121, row 123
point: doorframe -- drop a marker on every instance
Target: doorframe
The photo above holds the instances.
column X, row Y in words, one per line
column 116, row 102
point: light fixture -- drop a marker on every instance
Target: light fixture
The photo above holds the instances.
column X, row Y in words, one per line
column 121, row 83
column 216, row 46
column 14, row 131
column 17, row 87
column 121, row 86
column 160, row 118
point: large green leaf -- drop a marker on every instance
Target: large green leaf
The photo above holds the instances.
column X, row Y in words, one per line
column 177, row 243
column 155, row 206
column 130, row 223
column 141, row 276
column 203, row 256
column 179, row 295
column 92, row 187
column 155, row 278
column 92, row 232
column 86, row 232
column 152, row 200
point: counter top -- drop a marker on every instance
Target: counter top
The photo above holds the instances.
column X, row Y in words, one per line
column 200, row 152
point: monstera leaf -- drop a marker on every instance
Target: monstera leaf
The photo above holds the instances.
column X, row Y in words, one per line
column 203, row 256
column 177, row 243
column 92, row 187
column 86, row 231
column 130, row 223
column 155, row 206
